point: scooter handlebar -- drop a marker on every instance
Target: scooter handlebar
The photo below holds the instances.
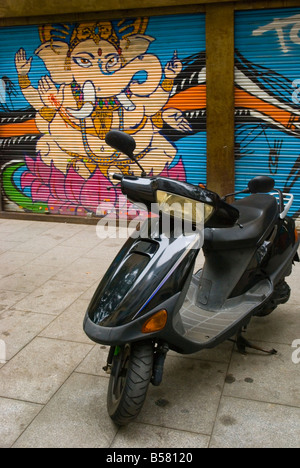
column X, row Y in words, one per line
column 117, row 176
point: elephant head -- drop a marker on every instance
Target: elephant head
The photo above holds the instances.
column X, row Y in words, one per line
column 102, row 65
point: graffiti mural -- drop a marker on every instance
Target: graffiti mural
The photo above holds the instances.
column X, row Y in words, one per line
column 267, row 100
column 64, row 86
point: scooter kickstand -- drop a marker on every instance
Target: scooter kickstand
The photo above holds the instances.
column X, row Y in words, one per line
column 242, row 344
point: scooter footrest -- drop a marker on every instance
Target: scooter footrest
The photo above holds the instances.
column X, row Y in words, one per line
column 203, row 325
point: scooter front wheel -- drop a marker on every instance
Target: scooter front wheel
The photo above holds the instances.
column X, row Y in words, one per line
column 129, row 381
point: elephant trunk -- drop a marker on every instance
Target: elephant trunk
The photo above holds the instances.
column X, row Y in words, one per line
column 151, row 65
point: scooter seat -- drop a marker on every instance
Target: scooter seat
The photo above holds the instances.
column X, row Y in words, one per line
column 258, row 214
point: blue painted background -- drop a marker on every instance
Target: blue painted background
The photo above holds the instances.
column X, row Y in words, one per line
column 265, row 50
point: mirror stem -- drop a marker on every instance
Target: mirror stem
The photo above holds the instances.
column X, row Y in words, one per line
column 236, row 193
column 140, row 166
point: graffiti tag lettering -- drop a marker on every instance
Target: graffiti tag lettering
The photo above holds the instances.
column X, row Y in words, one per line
column 279, row 26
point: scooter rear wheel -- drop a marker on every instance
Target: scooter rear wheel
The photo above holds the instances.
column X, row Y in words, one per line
column 129, row 381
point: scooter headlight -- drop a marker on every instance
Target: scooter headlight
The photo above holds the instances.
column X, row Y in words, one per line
column 184, row 208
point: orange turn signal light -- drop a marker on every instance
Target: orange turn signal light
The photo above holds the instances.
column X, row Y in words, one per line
column 296, row 235
column 156, row 322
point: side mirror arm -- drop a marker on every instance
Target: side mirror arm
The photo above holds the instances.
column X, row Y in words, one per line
column 245, row 191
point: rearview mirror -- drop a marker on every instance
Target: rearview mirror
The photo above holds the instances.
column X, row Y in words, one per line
column 125, row 143
column 261, row 184
column 120, row 141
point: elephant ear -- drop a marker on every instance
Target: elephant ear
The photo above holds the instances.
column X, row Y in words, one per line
column 134, row 46
column 54, row 54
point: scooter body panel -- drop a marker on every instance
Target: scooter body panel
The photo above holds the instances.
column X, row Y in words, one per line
column 220, row 301
column 147, row 273
column 284, row 250
column 155, row 273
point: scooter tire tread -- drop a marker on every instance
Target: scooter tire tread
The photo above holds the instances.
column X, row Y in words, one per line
column 138, row 378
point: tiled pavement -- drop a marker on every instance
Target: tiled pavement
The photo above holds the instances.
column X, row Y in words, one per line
column 53, row 388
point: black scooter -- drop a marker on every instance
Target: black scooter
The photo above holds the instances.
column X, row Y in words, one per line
column 151, row 300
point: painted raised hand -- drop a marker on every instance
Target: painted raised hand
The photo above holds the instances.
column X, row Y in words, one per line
column 23, row 65
column 173, row 67
column 48, row 92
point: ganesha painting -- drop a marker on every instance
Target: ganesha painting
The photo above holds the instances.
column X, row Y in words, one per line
column 100, row 76
column 64, row 86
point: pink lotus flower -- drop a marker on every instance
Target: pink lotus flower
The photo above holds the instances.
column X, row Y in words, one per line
column 66, row 193
column 71, row 194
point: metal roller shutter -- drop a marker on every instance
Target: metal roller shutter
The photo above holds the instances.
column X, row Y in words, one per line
column 64, row 86
column 267, row 79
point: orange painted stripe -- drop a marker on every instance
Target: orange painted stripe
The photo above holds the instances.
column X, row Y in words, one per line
column 19, row 129
column 195, row 98
column 190, row 99
column 246, row 100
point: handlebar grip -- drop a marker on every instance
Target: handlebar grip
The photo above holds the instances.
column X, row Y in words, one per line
column 117, row 176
